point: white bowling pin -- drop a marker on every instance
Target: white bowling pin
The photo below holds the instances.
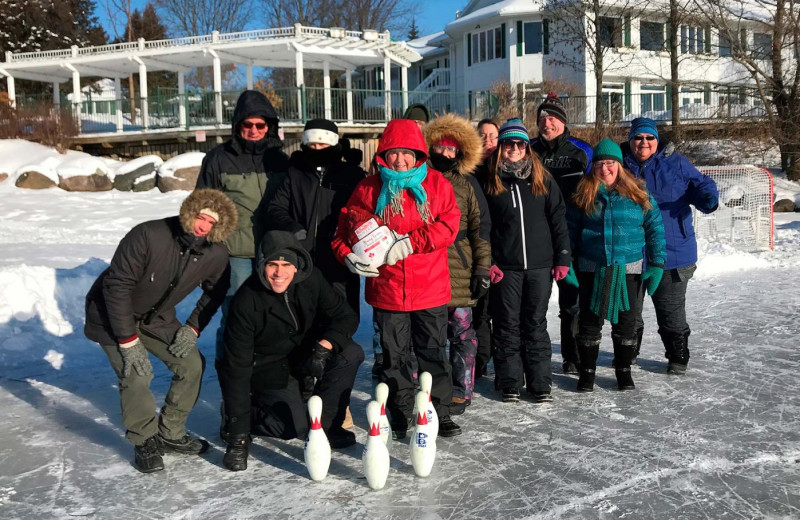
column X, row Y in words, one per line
column 381, row 395
column 423, row 440
column 375, row 456
column 317, row 451
column 425, row 383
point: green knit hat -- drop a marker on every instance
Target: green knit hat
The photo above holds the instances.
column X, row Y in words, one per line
column 607, row 149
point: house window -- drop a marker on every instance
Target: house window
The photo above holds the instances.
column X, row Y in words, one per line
column 691, row 96
column 533, row 37
column 609, row 30
column 487, row 45
column 651, row 35
column 693, row 39
column 724, row 46
column 613, row 100
column 762, row 46
column 653, row 98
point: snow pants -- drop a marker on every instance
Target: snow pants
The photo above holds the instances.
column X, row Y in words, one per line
column 568, row 309
column 590, row 325
column 425, row 333
column 522, row 350
column 482, row 324
column 463, row 348
column 241, row 269
column 669, row 301
column 138, row 402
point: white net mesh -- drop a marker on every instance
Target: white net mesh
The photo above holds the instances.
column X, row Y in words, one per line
column 744, row 216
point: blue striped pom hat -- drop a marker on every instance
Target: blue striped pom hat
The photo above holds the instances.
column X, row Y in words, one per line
column 513, row 129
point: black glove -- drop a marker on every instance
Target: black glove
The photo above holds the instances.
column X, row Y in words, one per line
column 479, row 286
column 315, row 365
column 235, row 458
column 307, row 384
column 135, row 357
column 301, row 235
column 185, row 342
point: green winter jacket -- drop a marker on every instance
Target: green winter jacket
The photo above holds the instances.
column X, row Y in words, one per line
column 617, row 231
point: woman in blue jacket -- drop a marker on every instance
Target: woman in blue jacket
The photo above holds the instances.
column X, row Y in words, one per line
column 675, row 185
column 612, row 222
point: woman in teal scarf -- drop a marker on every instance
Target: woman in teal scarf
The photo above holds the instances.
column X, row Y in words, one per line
column 614, row 220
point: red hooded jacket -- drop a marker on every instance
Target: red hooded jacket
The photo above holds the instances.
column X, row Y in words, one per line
column 421, row 280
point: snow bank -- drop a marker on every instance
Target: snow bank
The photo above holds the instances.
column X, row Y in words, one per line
column 186, row 160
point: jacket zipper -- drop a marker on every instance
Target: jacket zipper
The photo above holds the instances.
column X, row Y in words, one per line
column 522, row 228
column 289, row 308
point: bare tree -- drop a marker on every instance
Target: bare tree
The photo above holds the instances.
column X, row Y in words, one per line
column 120, row 14
column 356, row 15
column 196, row 17
column 770, row 59
column 593, row 31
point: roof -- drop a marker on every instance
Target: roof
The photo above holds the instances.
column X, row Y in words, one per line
column 342, row 49
column 428, row 44
column 504, row 8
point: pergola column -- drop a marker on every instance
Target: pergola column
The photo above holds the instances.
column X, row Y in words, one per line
column 249, row 76
column 118, row 103
column 145, row 113
column 387, row 87
column 404, row 85
column 77, row 99
column 299, row 82
column 349, row 84
column 217, row 87
column 326, row 83
column 182, row 99
column 56, row 94
column 12, row 93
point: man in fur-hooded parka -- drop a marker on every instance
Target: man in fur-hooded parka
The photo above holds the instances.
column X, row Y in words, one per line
column 470, row 255
column 130, row 312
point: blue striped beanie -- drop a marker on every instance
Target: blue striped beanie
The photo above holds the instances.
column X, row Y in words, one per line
column 643, row 124
column 513, row 129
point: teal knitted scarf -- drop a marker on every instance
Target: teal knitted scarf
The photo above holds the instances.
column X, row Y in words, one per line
column 394, row 183
column 610, row 292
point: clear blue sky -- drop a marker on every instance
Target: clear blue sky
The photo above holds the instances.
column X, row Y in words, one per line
column 433, row 14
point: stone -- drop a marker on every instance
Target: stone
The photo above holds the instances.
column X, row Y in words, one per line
column 3, row 176
column 97, row 181
column 145, row 184
column 127, row 181
column 166, row 184
column 783, row 206
column 34, row 180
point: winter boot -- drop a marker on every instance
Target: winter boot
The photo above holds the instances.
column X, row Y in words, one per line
column 623, row 352
column 186, row 445
column 235, row 458
column 147, row 456
column 588, row 349
column 677, row 351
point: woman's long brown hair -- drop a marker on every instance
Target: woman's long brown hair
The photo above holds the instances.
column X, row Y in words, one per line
column 626, row 185
column 494, row 186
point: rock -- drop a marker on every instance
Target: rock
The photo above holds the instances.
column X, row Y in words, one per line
column 33, row 180
column 145, row 183
column 127, row 181
column 3, row 176
column 98, row 181
column 182, row 179
column 783, row 206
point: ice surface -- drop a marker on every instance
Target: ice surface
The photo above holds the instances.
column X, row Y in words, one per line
column 721, row 442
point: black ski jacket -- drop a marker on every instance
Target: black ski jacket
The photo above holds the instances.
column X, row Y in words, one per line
column 567, row 159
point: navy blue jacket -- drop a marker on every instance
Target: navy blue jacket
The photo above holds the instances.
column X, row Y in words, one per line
column 675, row 184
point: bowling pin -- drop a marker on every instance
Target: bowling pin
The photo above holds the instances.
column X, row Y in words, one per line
column 375, row 456
column 381, row 395
column 425, row 383
column 423, row 440
column 317, row 451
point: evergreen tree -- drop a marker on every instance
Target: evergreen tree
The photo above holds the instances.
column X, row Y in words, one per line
column 413, row 32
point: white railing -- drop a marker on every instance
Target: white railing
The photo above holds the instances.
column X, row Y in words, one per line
column 437, row 80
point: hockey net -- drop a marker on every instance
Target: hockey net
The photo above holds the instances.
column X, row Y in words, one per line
column 744, row 218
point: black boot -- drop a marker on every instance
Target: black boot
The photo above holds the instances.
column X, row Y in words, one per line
column 623, row 353
column 186, row 445
column 235, row 458
column 147, row 456
column 588, row 349
column 676, row 345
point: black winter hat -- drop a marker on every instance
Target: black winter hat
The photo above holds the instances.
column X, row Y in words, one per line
column 552, row 106
column 321, row 131
column 417, row 112
column 283, row 255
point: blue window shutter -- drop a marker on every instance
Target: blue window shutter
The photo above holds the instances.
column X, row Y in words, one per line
column 503, row 40
column 469, row 49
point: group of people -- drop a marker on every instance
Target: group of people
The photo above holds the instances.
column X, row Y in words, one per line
column 481, row 222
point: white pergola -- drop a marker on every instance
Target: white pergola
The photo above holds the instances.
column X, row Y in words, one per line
column 298, row 47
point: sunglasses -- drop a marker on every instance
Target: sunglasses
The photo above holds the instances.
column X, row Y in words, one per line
column 439, row 148
column 641, row 137
column 247, row 125
column 510, row 145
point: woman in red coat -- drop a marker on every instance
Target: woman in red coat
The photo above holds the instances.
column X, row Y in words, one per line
column 411, row 290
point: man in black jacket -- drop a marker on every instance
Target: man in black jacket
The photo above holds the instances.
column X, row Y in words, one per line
column 275, row 351
column 130, row 311
column 248, row 168
column 309, row 201
column 567, row 159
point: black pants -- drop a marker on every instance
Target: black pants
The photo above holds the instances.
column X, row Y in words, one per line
column 669, row 301
column 282, row 412
column 482, row 325
column 568, row 309
column 424, row 332
column 590, row 325
column 520, row 339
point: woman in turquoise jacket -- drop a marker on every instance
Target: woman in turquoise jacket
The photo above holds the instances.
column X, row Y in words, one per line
column 614, row 219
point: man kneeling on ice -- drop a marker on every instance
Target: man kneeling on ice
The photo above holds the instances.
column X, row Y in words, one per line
column 288, row 335
column 130, row 311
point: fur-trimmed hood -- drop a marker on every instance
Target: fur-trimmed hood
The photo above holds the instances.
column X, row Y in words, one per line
column 217, row 202
column 461, row 130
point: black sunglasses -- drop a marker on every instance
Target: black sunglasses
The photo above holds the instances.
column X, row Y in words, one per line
column 641, row 137
column 249, row 124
